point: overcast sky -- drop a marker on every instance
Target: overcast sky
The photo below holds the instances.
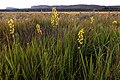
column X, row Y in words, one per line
column 29, row 3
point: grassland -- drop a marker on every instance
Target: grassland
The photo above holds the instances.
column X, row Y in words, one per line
column 56, row 54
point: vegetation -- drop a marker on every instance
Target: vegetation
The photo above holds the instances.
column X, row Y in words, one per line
column 84, row 46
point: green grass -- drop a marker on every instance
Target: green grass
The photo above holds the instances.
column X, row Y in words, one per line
column 55, row 55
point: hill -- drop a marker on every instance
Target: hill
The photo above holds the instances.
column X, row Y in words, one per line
column 81, row 7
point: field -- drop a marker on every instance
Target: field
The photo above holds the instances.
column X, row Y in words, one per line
column 59, row 45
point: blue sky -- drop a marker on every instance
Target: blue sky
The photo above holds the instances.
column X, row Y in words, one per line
column 29, row 3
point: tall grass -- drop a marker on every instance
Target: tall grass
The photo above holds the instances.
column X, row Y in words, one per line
column 55, row 54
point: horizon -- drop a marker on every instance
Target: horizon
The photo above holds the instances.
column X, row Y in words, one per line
column 22, row 4
column 57, row 5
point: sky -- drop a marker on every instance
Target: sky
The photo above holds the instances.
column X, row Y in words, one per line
column 29, row 3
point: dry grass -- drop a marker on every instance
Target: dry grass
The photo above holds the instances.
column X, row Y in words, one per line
column 32, row 14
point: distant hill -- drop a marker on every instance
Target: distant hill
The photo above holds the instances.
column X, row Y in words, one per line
column 77, row 7
column 80, row 7
column 69, row 7
column 11, row 8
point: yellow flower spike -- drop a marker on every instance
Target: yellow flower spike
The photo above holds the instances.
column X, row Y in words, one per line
column 11, row 26
column 38, row 29
column 91, row 19
column 54, row 18
column 54, row 9
column 81, row 32
column 80, row 37
column 12, row 31
column 114, row 22
column 38, row 26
